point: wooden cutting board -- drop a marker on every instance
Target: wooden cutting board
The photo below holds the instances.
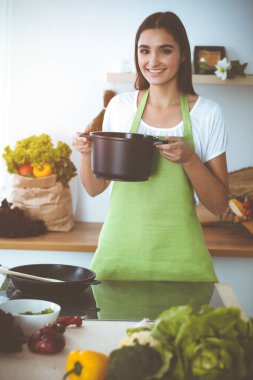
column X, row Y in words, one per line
column 101, row 336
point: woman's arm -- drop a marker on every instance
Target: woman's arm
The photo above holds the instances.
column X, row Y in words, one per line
column 94, row 186
column 210, row 180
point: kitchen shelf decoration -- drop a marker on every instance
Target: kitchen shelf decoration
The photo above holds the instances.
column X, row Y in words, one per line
column 197, row 79
column 225, row 69
column 206, row 57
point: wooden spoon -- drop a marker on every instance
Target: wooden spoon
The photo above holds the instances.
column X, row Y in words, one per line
column 28, row 276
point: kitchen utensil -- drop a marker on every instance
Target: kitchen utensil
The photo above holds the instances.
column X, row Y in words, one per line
column 25, row 275
column 74, row 279
column 122, row 156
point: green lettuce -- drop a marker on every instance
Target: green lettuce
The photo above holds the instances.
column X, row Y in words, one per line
column 38, row 150
column 208, row 344
column 212, row 344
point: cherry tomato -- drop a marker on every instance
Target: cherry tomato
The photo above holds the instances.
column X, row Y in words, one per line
column 25, row 170
column 248, row 212
column 247, row 204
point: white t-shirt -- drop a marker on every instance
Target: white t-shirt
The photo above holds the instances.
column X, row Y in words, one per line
column 208, row 129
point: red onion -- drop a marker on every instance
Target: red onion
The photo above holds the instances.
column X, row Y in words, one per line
column 46, row 341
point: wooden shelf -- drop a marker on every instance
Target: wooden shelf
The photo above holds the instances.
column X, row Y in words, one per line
column 197, row 79
column 222, row 239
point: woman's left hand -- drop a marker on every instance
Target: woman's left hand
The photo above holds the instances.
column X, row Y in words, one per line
column 177, row 150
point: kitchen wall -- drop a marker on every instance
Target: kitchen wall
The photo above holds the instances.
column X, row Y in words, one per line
column 54, row 56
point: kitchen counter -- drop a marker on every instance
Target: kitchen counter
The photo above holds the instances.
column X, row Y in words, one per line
column 98, row 335
column 141, row 299
column 222, row 239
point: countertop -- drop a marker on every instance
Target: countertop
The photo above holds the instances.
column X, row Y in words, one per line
column 148, row 299
column 102, row 336
column 222, row 239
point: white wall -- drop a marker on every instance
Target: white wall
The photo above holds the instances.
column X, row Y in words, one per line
column 54, row 56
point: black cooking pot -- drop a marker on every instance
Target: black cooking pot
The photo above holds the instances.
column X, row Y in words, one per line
column 76, row 279
column 122, row 156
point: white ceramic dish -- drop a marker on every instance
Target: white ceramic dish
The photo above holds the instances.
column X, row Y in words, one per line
column 31, row 323
column 3, row 299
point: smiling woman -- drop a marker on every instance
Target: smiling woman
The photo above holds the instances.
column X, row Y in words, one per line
column 165, row 242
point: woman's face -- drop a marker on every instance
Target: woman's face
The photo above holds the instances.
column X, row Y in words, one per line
column 159, row 56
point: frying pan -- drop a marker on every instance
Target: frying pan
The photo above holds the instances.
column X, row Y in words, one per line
column 75, row 278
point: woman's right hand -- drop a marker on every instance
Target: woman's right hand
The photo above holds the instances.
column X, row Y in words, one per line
column 82, row 144
column 93, row 185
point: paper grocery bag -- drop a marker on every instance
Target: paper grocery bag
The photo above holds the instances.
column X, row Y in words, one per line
column 46, row 199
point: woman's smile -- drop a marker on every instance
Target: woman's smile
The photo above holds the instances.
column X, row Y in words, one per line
column 155, row 72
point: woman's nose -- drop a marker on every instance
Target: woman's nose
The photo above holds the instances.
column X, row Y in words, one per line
column 153, row 59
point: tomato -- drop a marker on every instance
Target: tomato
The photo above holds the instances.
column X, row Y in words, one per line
column 43, row 170
column 25, row 170
column 246, row 204
column 248, row 212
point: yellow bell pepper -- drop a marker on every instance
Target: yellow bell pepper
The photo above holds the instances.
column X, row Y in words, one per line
column 43, row 170
column 86, row 365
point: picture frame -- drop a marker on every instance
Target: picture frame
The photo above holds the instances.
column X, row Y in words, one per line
column 211, row 55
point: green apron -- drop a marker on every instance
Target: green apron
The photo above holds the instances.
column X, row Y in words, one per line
column 151, row 232
column 135, row 300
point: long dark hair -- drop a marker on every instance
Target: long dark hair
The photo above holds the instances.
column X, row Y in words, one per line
column 171, row 22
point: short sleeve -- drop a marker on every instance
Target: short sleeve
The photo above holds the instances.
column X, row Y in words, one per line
column 108, row 116
column 218, row 138
column 119, row 113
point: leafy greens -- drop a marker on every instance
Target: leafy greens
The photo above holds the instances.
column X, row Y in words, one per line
column 38, row 150
column 209, row 344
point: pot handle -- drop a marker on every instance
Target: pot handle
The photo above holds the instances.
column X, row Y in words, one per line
column 84, row 134
column 159, row 141
column 94, row 282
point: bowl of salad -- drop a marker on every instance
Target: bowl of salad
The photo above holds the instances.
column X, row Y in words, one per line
column 31, row 314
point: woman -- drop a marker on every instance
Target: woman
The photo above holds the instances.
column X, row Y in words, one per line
column 152, row 231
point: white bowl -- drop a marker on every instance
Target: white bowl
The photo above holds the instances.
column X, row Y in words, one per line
column 31, row 323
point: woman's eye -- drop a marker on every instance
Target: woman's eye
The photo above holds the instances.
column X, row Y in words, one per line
column 144, row 51
column 166, row 51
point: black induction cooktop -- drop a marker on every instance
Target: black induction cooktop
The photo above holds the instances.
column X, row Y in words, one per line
column 120, row 300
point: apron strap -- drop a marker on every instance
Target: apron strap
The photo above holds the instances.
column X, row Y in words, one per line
column 139, row 112
column 185, row 114
column 186, row 120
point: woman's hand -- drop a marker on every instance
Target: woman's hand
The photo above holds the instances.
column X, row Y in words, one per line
column 209, row 180
column 93, row 185
column 82, row 144
column 177, row 150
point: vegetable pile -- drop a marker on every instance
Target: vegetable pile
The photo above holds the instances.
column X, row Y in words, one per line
column 47, row 340
column 14, row 223
column 11, row 335
column 242, row 208
column 37, row 157
column 181, row 344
